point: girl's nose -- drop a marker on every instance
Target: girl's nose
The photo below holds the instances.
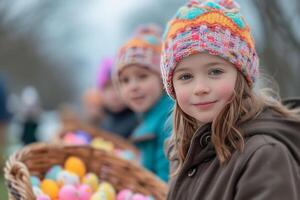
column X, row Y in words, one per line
column 133, row 84
column 201, row 87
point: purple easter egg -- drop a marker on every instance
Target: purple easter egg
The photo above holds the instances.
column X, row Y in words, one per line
column 83, row 136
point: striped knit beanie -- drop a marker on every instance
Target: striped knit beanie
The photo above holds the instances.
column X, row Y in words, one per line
column 213, row 26
column 143, row 49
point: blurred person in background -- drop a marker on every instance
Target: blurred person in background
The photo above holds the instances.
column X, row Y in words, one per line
column 138, row 77
column 117, row 118
column 92, row 107
column 68, row 116
column 30, row 111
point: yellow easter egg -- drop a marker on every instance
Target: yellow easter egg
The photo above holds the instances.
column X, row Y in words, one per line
column 108, row 190
column 98, row 196
column 92, row 180
column 75, row 165
column 99, row 143
column 50, row 188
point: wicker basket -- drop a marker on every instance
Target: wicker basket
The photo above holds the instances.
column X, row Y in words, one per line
column 118, row 142
column 37, row 158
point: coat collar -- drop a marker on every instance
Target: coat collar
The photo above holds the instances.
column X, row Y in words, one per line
column 201, row 148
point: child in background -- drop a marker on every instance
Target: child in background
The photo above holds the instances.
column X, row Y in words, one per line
column 229, row 141
column 138, row 78
column 117, row 117
column 92, row 107
column 30, row 114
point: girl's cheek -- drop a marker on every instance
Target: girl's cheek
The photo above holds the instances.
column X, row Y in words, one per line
column 182, row 96
column 225, row 90
column 123, row 92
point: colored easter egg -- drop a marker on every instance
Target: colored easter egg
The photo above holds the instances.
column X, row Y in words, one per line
column 108, row 190
column 43, row 197
column 151, row 198
column 53, row 172
column 75, row 165
column 68, row 192
column 37, row 191
column 124, row 194
column 35, row 181
column 50, row 188
column 69, row 137
column 127, row 155
column 99, row 143
column 92, row 180
column 84, row 136
column 85, row 192
column 67, row 178
column 98, row 196
column 138, row 196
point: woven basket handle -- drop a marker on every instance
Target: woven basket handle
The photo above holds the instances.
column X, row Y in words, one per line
column 15, row 174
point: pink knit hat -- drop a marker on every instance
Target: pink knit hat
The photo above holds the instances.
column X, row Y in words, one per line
column 213, row 26
column 144, row 49
column 104, row 72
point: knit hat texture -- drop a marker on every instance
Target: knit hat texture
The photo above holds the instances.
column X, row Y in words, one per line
column 144, row 48
column 213, row 26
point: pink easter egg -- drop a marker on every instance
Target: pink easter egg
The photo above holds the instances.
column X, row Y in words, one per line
column 85, row 192
column 69, row 137
column 124, row 194
column 68, row 192
column 79, row 141
column 43, row 197
column 117, row 151
column 138, row 196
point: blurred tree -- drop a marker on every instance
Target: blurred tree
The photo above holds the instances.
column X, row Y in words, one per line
column 282, row 46
column 40, row 45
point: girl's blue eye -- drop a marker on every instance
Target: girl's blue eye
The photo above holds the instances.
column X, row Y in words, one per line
column 215, row 72
column 184, row 77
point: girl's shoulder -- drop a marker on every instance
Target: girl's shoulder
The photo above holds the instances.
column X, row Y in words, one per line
column 260, row 141
column 271, row 130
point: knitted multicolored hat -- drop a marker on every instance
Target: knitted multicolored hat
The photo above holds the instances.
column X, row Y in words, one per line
column 213, row 26
column 104, row 72
column 144, row 49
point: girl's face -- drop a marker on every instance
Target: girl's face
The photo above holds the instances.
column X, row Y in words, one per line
column 203, row 85
column 140, row 87
column 111, row 99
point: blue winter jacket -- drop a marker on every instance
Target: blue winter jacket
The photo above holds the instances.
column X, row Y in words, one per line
column 150, row 135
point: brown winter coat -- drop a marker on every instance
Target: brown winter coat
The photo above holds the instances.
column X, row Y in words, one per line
column 267, row 169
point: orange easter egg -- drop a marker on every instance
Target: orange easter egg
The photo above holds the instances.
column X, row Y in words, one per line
column 50, row 188
column 75, row 165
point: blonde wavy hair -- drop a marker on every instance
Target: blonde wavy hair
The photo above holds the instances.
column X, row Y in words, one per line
column 226, row 137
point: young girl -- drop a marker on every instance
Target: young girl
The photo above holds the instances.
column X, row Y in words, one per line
column 138, row 78
column 118, row 118
column 229, row 142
